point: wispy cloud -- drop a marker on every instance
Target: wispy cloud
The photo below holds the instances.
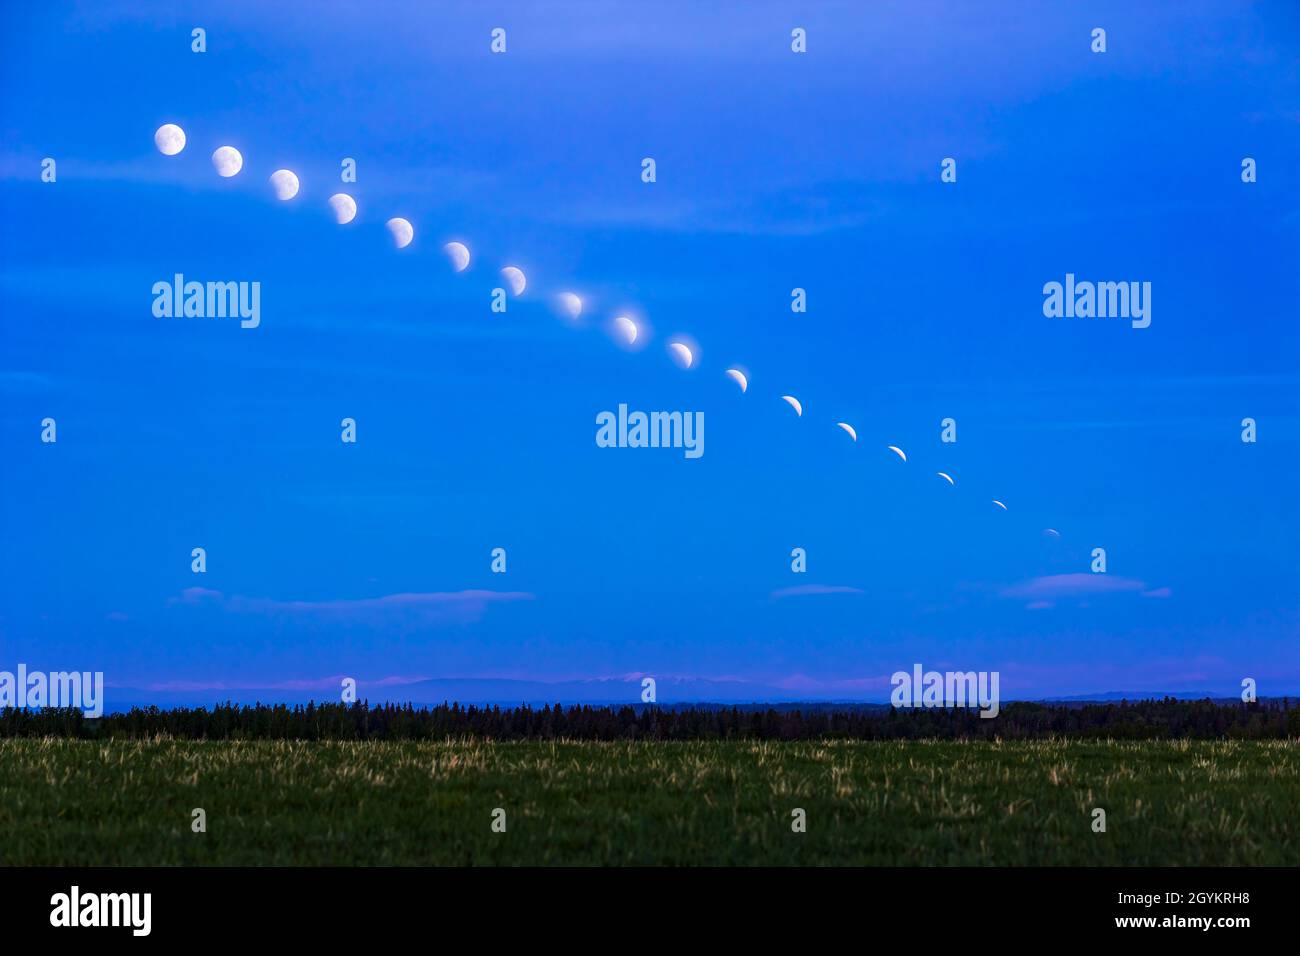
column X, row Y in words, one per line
column 462, row 605
column 1055, row 586
column 805, row 590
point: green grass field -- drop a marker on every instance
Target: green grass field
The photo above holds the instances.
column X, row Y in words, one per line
column 269, row 802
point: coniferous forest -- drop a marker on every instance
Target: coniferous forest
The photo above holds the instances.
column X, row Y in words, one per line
column 1166, row 719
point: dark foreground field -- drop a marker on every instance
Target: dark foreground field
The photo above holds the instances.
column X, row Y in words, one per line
column 881, row 803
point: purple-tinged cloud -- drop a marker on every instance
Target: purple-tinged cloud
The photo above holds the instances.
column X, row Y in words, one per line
column 1055, row 586
column 805, row 590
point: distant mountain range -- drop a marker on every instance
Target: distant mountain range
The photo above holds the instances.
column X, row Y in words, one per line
column 669, row 691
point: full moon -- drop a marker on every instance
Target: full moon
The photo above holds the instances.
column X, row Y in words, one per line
column 458, row 253
column 170, row 139
column 515, row 277
column 403, row 232
column 345, row 208
column 285, row 184
column 227, row 161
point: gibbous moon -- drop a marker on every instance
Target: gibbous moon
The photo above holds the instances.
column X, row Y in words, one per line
column 999, row 504
column 898, row 451
column 515, row 277
column 402, row 231
column 458, row 253
column 345, row 208
column 794, row 403
column 848, row 428
column 169, row 138
column 682, row 354
column 946, row 477
column 738, row 377
column 227, row 161
column 285, row 184
column 571, row 304
column 627, row 327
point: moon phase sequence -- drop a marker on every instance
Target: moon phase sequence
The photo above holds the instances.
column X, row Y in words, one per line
column 228, row 162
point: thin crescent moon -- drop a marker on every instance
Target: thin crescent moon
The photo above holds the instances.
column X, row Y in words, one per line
column 515, row 276
column 794, row 403
column 999, row 504
column 1052, row 531
column 683, row 353
column 848, row 428
column 738, row 377
column 458, row 252
column 628, row 328
column 898, row 451
column 946, row 477
column 402, row 230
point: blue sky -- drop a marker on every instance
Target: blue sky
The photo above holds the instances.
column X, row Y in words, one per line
column 476, row 430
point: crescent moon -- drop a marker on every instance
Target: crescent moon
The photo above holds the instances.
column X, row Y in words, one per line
column 683, row 354
column 571, row 304
column 515, row 278
column 458, row 253
column 345, row 208
column 627, row 327
column 738, row 377
column 227, row 161
column 946, row 477
column 898, row 451
column 794, row 403
column 1052, row 531
column 849, row 429
column 285, row 184
column 402, row 230
column 999, row 504
column 169, row 138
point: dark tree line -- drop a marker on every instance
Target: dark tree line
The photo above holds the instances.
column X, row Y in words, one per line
column 1143, row 720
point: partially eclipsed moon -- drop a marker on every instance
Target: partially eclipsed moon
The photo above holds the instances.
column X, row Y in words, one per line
column 738, row 377
column 946, row 477
column 898, row 451
column 515, row 278
column 682, row 353
column 458, row 253
column 345, row 208
column 285, row 184
column 794, row 403
column 571, row 304
column 848, row 428
column 999, row 504
column 627, row 327
column 227, row 161
column 403, row 232
column 169, row 138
